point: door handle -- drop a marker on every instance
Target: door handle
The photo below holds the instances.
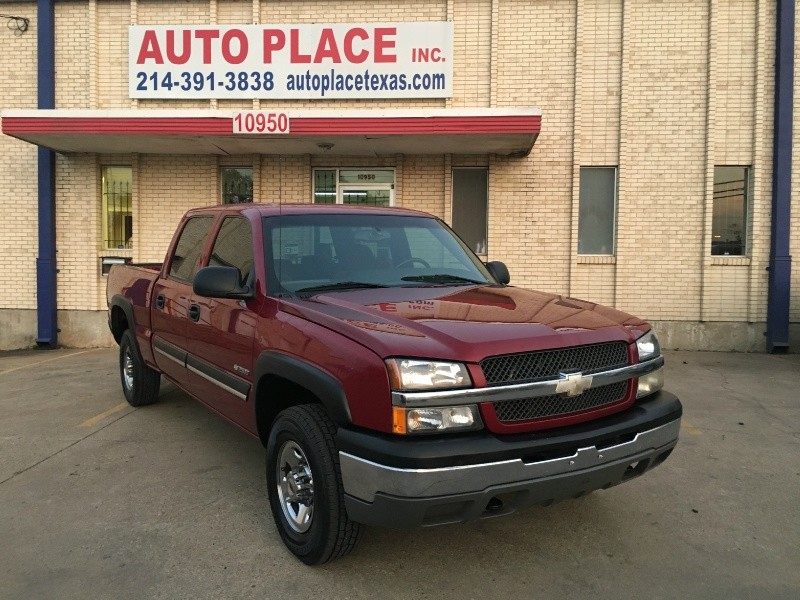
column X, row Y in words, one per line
column 160, row 301
column 194, row 312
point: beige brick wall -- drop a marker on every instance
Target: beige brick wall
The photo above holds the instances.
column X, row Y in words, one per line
column 596, row 130
column 111, row 26
column 530, row 199
column 795, row 227
column 664, row 90
column 166, row 187
column 74, row 43
column 662, row 181
column 472, row 49
column 80, row 285
column 18, row 185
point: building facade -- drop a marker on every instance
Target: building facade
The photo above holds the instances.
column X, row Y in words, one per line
column 631, row 162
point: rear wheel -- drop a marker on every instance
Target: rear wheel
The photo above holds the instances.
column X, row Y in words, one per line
column 304, row 485
column 140, row 383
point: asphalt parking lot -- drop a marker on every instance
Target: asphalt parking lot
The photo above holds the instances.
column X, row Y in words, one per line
column 101, row 500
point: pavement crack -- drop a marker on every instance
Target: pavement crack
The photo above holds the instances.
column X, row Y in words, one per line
column 67, row 447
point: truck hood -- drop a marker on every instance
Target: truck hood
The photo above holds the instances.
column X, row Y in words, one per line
column 464, row 323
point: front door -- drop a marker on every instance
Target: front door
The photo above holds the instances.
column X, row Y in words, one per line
column 381, row 194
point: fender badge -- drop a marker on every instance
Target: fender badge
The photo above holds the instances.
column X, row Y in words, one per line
column 240, row 369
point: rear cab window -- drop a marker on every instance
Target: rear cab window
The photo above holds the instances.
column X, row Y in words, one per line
column 189, row 249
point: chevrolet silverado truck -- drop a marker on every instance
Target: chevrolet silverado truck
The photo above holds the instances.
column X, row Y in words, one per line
column 393, row 378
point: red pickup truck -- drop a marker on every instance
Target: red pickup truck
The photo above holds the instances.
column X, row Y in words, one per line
column 394, row 378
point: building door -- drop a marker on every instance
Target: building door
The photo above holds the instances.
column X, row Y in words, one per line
column 364, row 187
column 367, row 195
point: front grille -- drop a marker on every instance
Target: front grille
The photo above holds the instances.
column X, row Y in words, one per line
column 547, row 364
column 559, row 404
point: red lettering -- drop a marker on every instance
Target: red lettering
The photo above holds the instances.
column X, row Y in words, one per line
column 382, row 44
column 172, row 56
column 229, row 56
column 327, row 47
column 150, row 49
column 206, row 35
column 296, row 57
column 356, row 32
column 274, row 39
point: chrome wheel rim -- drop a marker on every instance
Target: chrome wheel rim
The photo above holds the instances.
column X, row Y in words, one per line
column 127, row 369
column 295, row 486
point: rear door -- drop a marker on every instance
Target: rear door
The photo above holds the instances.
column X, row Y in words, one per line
column 171, row 299
column 220, row 340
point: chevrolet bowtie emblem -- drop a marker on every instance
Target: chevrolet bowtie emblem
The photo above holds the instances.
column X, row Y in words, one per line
column 573, row 384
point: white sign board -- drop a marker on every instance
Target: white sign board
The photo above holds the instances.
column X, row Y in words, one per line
column 319, row 61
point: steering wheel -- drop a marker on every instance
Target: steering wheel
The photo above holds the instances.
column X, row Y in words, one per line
column 412, row 260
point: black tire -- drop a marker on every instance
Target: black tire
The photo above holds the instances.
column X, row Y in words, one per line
column 140, row 383
column 305, row 434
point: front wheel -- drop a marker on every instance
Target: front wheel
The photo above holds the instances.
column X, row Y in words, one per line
column 304, row 485
column 140, row 383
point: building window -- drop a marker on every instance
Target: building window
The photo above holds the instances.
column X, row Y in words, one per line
column 470, row 206
column 729, row 221
column 237, row 185
column 597, row 210
column 365, row 187
column 117, row 213
column 325, row 186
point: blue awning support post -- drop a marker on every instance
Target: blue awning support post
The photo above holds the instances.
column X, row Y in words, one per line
column 780, row 261
column 46, row 307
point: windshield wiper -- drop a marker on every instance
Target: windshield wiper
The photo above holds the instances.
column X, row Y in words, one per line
column 442, row 278
column 340, row 285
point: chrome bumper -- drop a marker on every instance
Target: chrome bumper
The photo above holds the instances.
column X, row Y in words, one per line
column 382, row 495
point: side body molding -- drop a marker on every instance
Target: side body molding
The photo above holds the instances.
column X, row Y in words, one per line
column 318, row 382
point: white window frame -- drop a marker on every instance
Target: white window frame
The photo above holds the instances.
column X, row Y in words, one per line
column 360, row 186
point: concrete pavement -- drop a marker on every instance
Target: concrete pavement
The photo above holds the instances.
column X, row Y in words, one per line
column 101, row 500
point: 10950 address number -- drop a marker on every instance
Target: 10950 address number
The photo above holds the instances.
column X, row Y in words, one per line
column 261, row 122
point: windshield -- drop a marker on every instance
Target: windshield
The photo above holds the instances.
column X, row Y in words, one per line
column 315, row 253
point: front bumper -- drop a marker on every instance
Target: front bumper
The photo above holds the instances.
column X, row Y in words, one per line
column 544, row 468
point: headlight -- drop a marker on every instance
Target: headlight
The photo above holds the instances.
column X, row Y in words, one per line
column 648, row 347
column 650, row 383
column 431, row 420
column 413, row 374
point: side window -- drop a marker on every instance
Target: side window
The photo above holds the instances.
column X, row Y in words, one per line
column 470, row 206
column 731, row 200
column 597, row 210
column 190, row 246
column 234, row 246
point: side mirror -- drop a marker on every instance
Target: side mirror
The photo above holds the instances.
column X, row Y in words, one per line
column 499, row 271
column 221, row 282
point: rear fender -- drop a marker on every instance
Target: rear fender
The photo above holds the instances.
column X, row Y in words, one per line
column 120, row 302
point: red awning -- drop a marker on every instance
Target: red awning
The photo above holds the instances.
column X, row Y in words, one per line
column 345, row 132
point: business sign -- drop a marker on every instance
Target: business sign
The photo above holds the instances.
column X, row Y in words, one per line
column 350, row 61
